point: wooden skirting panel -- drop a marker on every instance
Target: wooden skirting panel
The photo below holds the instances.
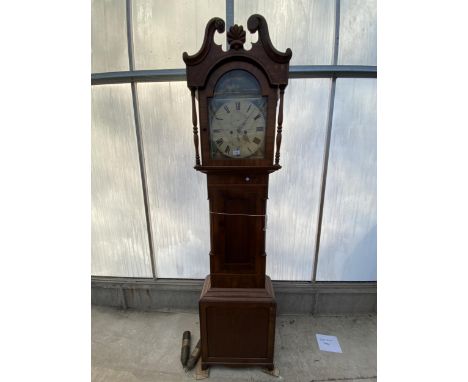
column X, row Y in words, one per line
column 181, row 295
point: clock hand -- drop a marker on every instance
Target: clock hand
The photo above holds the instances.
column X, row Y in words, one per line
column 245, row 121
column 241, row 127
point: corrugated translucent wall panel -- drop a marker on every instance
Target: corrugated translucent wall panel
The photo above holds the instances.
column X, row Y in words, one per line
column 305, row 26
column 119, row 235
column 348, row 246
column 164, row 29
column 177, row 193
column 358, row 32
column 108, row 36
column 294, row 190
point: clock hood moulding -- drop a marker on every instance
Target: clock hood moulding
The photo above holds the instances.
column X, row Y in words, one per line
column 273, row 63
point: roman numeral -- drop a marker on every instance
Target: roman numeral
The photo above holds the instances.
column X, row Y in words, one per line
column 257, row 116
column 219, row 142
column 256, row 140
column 227, row 109
column 226, row 151
column 249, row 108
column 237, row 105
column 259, row 128
column 219, row 119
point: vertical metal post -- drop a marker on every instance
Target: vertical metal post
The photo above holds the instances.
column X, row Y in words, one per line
column 141, row 152
column 229, row 14
column 337, row 33
column 131, row 56
column 331, row 104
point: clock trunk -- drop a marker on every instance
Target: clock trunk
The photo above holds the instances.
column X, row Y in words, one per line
column 238, row 223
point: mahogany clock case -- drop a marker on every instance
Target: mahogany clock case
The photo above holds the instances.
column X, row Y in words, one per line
column 237, row 304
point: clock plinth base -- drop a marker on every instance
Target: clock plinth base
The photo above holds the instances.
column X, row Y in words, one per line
column 237, row 325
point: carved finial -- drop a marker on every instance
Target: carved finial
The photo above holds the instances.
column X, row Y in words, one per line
column 236, row 37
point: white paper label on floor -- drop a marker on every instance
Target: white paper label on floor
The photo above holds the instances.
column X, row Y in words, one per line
column 328, row 343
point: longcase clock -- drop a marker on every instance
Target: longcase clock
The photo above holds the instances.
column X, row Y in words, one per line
column 240, row 103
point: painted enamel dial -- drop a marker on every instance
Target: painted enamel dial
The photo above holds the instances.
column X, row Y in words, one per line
column 238, row 129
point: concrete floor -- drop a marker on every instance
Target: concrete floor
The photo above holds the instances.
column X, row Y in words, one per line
column 134, row 346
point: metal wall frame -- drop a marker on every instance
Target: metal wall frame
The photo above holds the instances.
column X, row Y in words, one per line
column 297, row 71
column 132, row 76
column 326, row 154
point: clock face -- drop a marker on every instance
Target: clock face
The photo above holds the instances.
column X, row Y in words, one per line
column 237, row 129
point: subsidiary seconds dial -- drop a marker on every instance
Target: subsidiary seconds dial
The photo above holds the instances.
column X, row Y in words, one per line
column 238, row 129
